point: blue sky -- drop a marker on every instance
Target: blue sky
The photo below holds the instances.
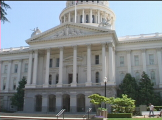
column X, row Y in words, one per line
column 132, row 18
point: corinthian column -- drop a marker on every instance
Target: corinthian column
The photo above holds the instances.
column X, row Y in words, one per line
column 19, row 73
column 83, row 16
column 90, row 16
column 89, row 82
column 74, row 65
column 144, row 60
column 98, row 16
column 110, row 62
column 35, row 68
column 160, row 66
column 129, row 61
column 8, row 75
column 60, row 67
column 47, row 69
column 103, row 61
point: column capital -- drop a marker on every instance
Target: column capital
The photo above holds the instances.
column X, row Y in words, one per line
column 158, row 49
column 9, row 61
column 1, row 62
column 20, row 60
column 143, row 50
column 61, row 47
column 48, row 49
column 74, row 46
column 128, row 51
column 110, row 44
column 88, row 45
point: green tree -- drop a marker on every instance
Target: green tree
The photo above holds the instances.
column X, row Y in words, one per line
column 18, row 98
column 129, row 87
column 4, row 8
column 146, row 91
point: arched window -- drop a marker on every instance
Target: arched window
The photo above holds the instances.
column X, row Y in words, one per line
column 87, row 19
column 57, row 78
column 153, row 77
column 97, row 77
column 50, row 79
column 81, row 18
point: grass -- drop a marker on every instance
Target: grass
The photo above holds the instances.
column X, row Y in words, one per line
column 135, row 119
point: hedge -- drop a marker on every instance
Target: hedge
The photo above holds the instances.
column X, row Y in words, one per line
column 119, row 115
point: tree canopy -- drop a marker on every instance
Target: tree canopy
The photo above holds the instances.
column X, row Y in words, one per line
column 18, row 98
column 4, row 8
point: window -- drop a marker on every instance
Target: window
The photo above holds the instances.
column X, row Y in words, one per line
column 86, row 18
column 57, row 78
column 57, row 62
column 50, row 79
column 151, row 59
column 71, row 19
column 16, row 68
column 4, row 83
column 137, row 76
column 81, row 18
column 26, row 67
column 50, row 64
column 93, row 19
column 136, row 60
column 96, row 59
column 5, row 69
column 14, row 84
column 97, row 77
column 121, row 60
column 153, row 77
column 122, row 75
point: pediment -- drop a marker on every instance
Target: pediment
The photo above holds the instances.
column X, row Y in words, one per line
column 67, row 30
column 70, row 58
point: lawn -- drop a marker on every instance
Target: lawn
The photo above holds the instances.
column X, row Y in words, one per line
column 135, row 118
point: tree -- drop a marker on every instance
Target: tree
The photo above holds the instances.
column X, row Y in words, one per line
column 18, row 98
column 4, row 8
column 129, row 87
column 146, row 91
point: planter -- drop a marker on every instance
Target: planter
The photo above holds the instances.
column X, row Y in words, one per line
column 102, row 113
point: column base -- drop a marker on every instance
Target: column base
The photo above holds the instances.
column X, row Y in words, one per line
column 59, row 85
column 88, row 83
column 111, row 82
column 30, row 86
column 45, row 85
column 73, row 84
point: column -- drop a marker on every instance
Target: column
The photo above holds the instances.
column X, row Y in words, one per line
column 19, row 73
column 129, row 61
column 87, row 100
column 60, row 67
column 83, row 16
column 35, row 68
column 144, row 60
column 69, row 17
column 98, row 16
column 160, row 66
column 64, row 18
column 90, row 16
column 47, row 69
column 58, row 101
column 110, row 62
column 73, row 102
column 44, row 102
column 101, row 17
column 104, row 14
column 74, row 83
column 89, row 82
column 103, row 62
column 29, row 70
column 114, row 66
column 8, row 75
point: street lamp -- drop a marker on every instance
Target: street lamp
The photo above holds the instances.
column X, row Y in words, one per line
column 105, row 81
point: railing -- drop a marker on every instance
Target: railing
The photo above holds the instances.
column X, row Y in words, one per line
column 12, row 49
column 96, row 84
column 60, row 113
column 140, row 36
column 88, row 112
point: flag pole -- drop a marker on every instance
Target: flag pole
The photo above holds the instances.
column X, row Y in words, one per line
column 75, row 11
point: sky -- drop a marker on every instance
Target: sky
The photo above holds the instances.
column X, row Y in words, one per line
column 132, row 18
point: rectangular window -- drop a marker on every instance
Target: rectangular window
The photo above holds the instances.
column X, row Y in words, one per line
column 26, row 67
column 96, row 59
column 57, row 62
column 14, row 84
column 50, row 65
column 86, row 18
column 136, row 60
column 4, row 83
column 16, row 68
column 5, row 69
column 121, row 60
column 151, row 59
column 93, row 18
column 81, row 18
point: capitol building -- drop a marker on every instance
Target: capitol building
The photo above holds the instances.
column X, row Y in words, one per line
column 69, row 62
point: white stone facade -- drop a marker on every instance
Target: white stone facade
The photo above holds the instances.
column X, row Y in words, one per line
column 67, row 63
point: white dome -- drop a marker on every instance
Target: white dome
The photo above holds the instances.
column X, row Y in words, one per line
column 98, row 10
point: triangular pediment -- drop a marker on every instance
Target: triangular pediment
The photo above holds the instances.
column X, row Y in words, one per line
column 68, row 30
column 70, row 58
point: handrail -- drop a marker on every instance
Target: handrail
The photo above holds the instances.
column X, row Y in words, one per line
column 88, row 111
column 60, row 113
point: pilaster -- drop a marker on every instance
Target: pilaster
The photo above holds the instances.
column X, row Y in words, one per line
column 58, row 101
column 44, row 102
column 73, row 101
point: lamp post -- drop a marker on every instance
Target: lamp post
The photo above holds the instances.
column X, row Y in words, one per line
column 105, row 81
